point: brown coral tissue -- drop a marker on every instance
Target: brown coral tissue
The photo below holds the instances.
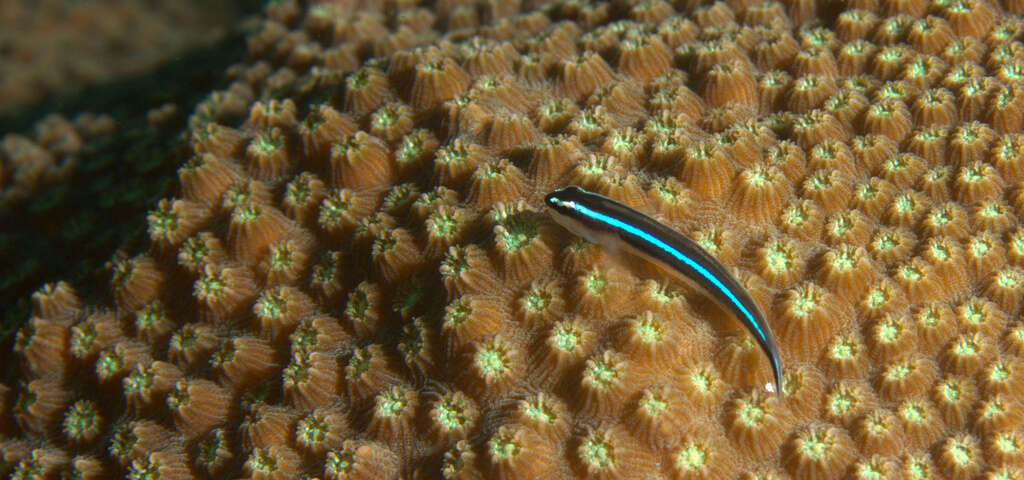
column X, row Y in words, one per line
column 358, row 277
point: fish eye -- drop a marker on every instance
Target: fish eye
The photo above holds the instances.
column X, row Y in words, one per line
column 552, row 200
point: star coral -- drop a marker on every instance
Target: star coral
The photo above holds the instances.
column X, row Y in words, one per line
column 359, row 280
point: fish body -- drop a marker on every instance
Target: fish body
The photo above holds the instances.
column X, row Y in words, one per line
column 609, row 223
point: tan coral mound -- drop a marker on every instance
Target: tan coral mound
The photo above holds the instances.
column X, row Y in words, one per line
column 358, row 281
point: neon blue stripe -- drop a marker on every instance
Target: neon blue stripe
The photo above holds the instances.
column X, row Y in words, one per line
column 615, row 222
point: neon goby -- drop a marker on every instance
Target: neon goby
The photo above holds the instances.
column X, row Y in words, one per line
column 604, row 221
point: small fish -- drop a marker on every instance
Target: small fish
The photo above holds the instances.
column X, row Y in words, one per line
column 604, row 221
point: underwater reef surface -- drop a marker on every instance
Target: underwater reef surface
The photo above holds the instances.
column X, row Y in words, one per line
column 354, row 276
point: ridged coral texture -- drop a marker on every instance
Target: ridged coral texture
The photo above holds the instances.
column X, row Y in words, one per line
column 359, row 280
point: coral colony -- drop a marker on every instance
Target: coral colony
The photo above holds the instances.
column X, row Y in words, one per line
column 359, row 280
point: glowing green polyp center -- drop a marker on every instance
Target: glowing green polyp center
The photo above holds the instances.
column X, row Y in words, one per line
column 912, row 413
column 82, row 339
column 1007, row 442
column 504, row 447
column 588, row 121
column 918, row 471
column 993, row 408
column 193, row 253
column 385, row 117
column 818, row 183
column 81, row 418
column 844, row 350
column 518, row 235
column 145, row 469
column 961, row 453
column 139, row 381
column 358, row 80
column 177, row 398
column 281, row 258
column 844, row 261
column 411, row 148
column 451, row 155
column 885, row 242
column 889, row 332
column 654, row 406
column 980, row 248
column 208, row 450
column 265, row 144
column 999, row 373
column 358, row 305
column 602, row 374
column 795, row 217
column 209, row 286
column 270, row 305
column 841, row 403
column 899, row 371
column 877, row 297
column 332, row 211
column 340, row 462
column 779, row 260
column 623, row 143
column 950, row 392
column 597, row 453
column 451, row 415
column 566, row 338
column 457, row 313
column 691, row 458
column 708, row 243
column 596, row 284
column 538, row 411
column 109, row 363
column 246, row 213
column 841, row 226
column 814, row 446
column 757, row 178
column 390, row 404
column 878, row 427
column 701, row 381
column 263, row 461
column 491, row 362
column 1008, row 279
column 313, row 429
column 805, row 304
column 298, row 371
column 966, row 348
column 941, row 218
column 650, row 331
column 904, row 204
column 752, row 414
column 359, row 364
column 164, row 221
column 443, row 224
column 910, row 273
column 536, row 302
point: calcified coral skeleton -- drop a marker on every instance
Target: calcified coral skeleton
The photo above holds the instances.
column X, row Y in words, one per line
column 358, row 280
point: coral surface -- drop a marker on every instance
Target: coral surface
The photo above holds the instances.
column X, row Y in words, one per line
column 358, row 279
